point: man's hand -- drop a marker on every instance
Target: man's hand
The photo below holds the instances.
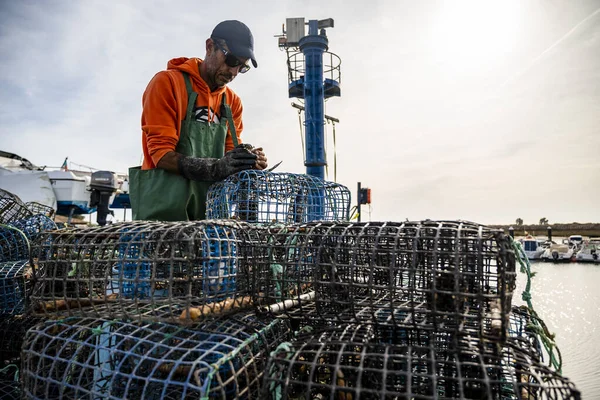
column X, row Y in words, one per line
column 261, row 158
column 216, row 169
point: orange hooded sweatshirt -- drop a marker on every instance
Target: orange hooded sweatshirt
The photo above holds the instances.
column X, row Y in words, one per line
column 165, row 104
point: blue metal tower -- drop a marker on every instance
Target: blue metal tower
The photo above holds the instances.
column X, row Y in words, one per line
column 314, row 76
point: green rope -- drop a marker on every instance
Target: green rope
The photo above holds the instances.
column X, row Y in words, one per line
column 22, row 234
column 3, row 370
column 284, row 350
column 537, row 326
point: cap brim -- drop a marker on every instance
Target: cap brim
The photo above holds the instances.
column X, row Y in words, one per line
column 243, row 52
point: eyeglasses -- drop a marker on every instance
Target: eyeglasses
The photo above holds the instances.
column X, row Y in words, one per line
column 232, row 61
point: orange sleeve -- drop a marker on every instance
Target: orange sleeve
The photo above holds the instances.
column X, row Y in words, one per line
column 160, row 119
column 236, row 111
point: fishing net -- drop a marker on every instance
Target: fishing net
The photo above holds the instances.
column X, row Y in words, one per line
column 438, row 276
column 99, row 358
column 258, row 196
column 14, row 282
column 163, row 271
column 336, row 365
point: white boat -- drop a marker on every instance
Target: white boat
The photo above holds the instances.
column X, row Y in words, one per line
column 589, row 252
column 576, row 240
column 558, row 253
column 72, row 192
column 69, row 192
column 533, row 247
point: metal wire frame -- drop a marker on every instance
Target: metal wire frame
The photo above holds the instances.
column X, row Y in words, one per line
column 443, row 276
column 12, row 333
column 12, row 208
column 329, row 368
column 259, row 196
column 34, row 225
column 86, row 358
column 41, row 209
column 14, row 244
column 14, row 284
column 10, row 388
column 163, row 271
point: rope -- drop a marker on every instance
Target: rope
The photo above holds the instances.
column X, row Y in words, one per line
column 284, row 350
column 5, row 369
column 537, row 326
column 22, row 234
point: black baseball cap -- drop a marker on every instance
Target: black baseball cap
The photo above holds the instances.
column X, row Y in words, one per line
column 238, row 38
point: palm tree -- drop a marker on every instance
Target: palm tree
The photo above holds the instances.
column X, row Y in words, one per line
column 519, row 221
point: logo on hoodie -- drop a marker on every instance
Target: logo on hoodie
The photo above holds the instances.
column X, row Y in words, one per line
column 205, row 114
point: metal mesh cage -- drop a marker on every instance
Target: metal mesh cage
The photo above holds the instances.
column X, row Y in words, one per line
column 331, row 368
column 441, row 276
column 40, row 209
column 33, row 225
column 85, row 358
column 14, row 244
column 164, row 271
column 258, row 196
column 12, row 333
column 12, row 208
column 14, row 283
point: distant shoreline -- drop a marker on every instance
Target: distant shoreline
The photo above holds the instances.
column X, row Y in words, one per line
column 586, row 229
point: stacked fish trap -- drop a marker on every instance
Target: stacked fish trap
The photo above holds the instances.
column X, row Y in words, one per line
column 100, row 358
column 425, row 278
column 258, row 196
column 344, row 365
column 170, row 272
column 146, row 310
column 398, row 310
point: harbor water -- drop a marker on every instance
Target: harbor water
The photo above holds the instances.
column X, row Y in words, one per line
column 567, row 297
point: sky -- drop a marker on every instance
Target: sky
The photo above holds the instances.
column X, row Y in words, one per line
column 486, row 111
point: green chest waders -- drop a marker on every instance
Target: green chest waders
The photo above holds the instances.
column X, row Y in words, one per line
column 157, row 194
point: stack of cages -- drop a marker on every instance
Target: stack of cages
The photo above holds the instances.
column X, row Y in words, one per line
column 20, row 227
column 396, row 310
column 146, row 310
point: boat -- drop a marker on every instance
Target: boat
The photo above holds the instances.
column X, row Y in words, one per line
column 72, row 193
column 533, row 247
column 575, row 240
column 69, row 192
column 558, row 253
column 589, row 252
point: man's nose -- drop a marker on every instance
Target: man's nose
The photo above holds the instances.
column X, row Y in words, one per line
column 234, row 71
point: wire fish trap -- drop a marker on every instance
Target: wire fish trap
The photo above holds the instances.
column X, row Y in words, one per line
column 85, row 358
column 41, row 209
column 443, row 276
column 34, row 225
column 12, row 208
column 12, row 333
column 321, row 369
column 162, row 271
column 14, row 284
column 14, row 244
column 259, row 196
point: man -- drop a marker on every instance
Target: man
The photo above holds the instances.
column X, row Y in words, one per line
column 191, row 123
